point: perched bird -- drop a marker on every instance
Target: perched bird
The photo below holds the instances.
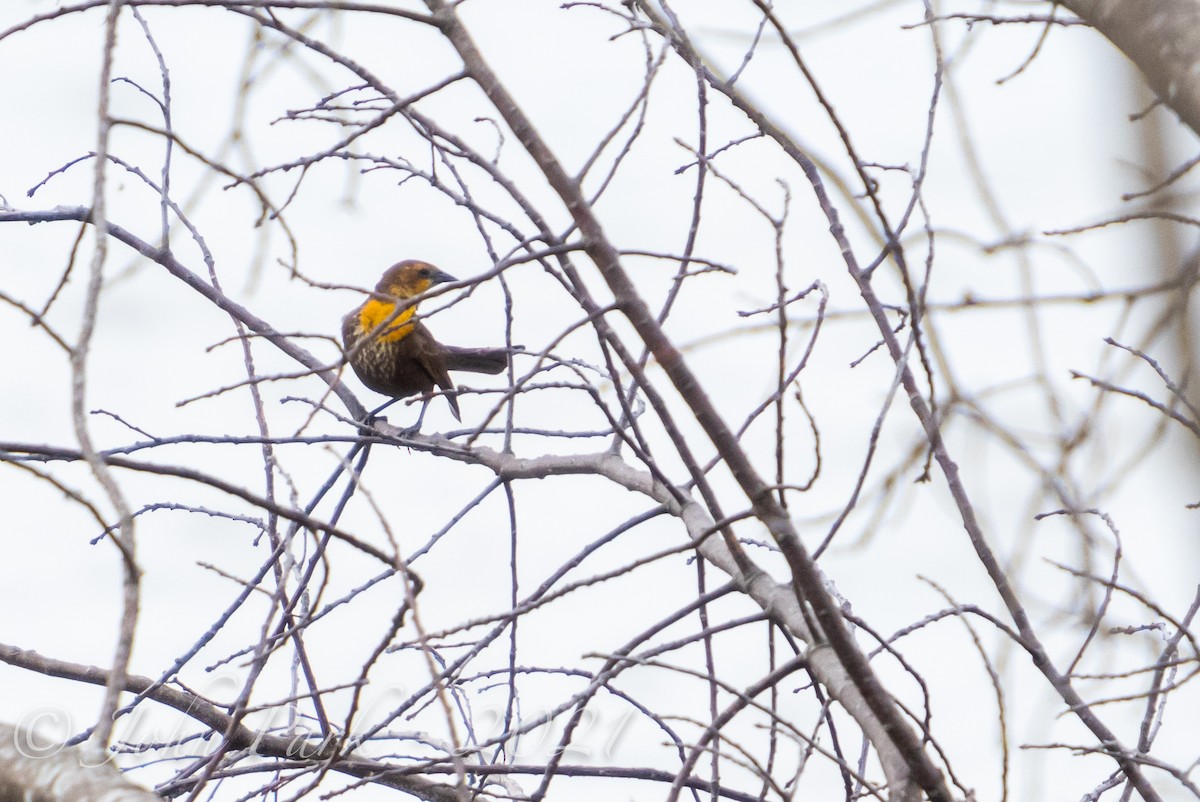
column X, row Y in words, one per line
column 396, row 355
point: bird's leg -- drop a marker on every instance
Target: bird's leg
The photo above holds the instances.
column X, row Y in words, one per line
column 416, row 427
column 373, row 415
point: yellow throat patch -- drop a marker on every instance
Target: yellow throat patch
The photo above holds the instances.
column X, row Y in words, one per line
column 375, row 312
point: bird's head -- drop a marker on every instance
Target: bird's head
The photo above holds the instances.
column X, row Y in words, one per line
column 410, row 278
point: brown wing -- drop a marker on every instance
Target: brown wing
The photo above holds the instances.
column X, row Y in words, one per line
column 429, row 356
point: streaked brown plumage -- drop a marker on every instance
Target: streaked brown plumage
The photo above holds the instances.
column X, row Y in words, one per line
column 401, row 357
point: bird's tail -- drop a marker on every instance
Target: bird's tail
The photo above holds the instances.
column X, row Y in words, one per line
column 477, row 360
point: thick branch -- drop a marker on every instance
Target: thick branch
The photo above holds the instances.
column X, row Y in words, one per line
column 1162, row 38
column 894, row 739
column 1041, row 659
column 775, row 598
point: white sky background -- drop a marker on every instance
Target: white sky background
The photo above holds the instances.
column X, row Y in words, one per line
column 1054, row 142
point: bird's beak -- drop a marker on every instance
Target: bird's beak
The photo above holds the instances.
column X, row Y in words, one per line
column 441, row 277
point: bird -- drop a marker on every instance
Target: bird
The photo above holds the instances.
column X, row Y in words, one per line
column 397, row 356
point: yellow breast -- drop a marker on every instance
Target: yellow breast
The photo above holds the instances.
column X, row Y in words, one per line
column 375, row 312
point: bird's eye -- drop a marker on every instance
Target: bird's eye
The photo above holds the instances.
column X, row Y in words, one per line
column 426, row 272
